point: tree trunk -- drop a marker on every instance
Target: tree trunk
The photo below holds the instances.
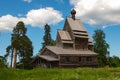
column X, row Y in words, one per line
column 15, row 58
column 11, row 59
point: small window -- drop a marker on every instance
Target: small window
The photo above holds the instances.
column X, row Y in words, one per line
column 89, row 59
column 80, row 59
column 67, row 59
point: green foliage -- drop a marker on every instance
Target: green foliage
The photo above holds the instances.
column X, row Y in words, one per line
column 20, row 44
column 47, row 37
column 25, row 64
column 101, row 47
column 18, row 32
column 2, row 62
column 61, row 74
column 26, row 52
column 114, row 61
column 25, row 46
column 52, row 43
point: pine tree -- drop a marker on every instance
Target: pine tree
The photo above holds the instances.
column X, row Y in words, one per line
column 26, row 52
column 47, row 37
column 20, row 43
column 101, row 47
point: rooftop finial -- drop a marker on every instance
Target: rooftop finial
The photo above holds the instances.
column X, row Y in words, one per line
column 73, row 12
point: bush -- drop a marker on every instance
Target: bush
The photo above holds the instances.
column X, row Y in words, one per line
column 2, row 65
column 114, row 61
column 24, row 66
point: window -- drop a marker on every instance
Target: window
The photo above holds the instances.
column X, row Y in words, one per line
column 67, row 59
column 89, row 59
column 80, row 59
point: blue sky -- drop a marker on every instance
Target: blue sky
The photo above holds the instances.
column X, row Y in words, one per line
column 94, row 14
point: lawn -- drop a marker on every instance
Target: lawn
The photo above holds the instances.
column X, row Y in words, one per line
column 61, row 74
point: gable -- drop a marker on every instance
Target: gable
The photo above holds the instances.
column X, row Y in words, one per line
column 64, row 35
column 47, row 52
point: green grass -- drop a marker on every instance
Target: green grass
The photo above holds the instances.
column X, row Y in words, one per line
column 61, row 74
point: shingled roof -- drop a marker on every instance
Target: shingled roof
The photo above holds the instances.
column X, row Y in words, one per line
column 48, row 58
column 64, row 35
column 60, row 50
column 90, row 40
column 75, row 24
column 78, row 29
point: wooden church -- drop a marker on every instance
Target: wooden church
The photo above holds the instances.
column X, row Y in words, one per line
column 74, row 47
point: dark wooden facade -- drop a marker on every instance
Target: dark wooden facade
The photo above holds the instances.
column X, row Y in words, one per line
column 74, row 48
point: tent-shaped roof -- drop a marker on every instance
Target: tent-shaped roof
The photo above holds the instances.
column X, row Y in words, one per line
column 78, row 29
column 75, row 24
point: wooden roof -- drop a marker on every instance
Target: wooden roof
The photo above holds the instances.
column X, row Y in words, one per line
column 60, row 50
column 80, row 33
column 78, row 29
column 89, row 40
column 64, row 35
column 75, row 24
column 48, row 58
column 90, row 43
column 70, row 42
column 79, row 36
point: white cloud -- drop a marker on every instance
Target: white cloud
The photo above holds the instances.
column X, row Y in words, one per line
column 42, row 16
column 35, row 18
column 97, row 12
column 28, row 1
column 74, row 2
column 20, row 15
column 7, row 22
